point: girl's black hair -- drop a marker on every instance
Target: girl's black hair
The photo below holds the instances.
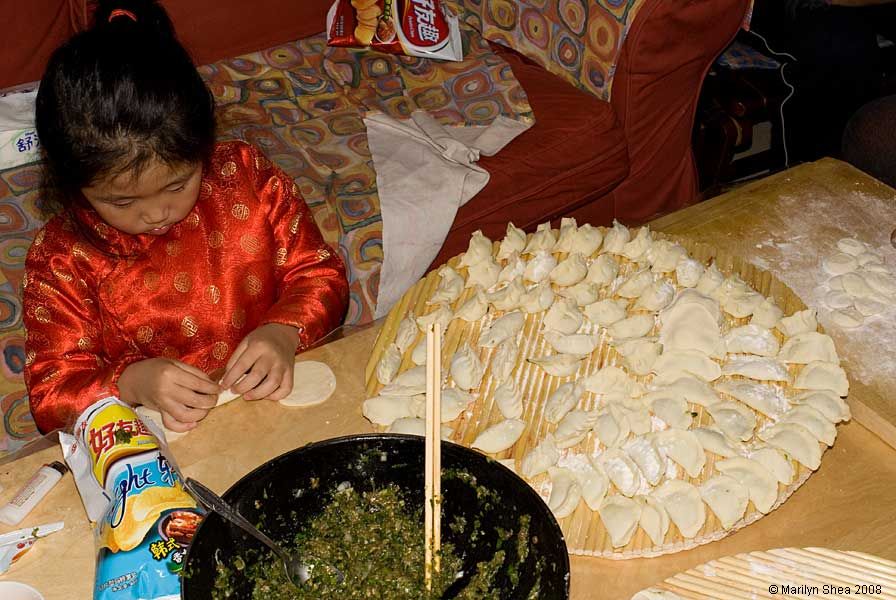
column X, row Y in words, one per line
column 117, row 96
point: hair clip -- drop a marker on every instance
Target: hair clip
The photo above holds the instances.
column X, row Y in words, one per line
column 120, row 12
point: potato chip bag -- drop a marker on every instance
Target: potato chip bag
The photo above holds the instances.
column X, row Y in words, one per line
column 144, row 519
column 423, row 28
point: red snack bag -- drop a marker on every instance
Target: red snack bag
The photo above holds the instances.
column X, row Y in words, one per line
column 423, row 28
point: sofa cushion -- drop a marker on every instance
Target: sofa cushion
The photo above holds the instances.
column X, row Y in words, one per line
column 573, row 154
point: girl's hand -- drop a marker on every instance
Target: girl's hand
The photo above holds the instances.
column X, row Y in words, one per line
column 182, row 393
column 266, row 357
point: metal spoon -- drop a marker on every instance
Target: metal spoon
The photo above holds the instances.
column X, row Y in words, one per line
column 296, row 571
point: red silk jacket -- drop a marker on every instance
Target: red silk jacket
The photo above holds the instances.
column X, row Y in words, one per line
column 97, row 299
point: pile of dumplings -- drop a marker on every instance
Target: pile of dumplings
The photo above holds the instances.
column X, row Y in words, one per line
column 626, row 377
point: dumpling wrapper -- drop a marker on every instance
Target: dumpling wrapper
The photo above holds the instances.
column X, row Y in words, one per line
column 563, row 317
column 540, row 458
column 504, row 328
column 313, row 384
column 807, row 347
column 681, row 362
column 684, row 504
column 775, row 462
column 752, row 339
column 820, row 375
column 736, row 420
column 594, row 483
column 466, row 368
column 716, row 441
column 499, row 437
column 573, row 428
column 643, row 451
column 683, row 447
column 408, row 383
column 562, row 400
column 760, row 368
column 726, row 497
column 479, row 249
column 384, row 410
column 508, row 400
column 503, row 360
column 654, row 519
column 514, row 241
column 606, row 312
column 815, row 423
column 454, row 402
column 406, row 334
column 621, row 470
column 799, row 322
column 761, row 397
column 620, row 516
column 828, row 403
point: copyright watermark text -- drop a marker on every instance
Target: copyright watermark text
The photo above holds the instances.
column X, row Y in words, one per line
column 790, row 589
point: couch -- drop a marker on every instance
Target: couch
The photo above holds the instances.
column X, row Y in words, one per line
column 595, row 154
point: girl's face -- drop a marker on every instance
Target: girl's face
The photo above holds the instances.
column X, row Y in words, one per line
column 153, row 201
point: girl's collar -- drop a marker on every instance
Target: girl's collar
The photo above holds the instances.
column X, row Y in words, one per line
column 106, row 238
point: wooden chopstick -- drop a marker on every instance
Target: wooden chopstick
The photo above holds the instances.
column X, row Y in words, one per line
column 432, row 513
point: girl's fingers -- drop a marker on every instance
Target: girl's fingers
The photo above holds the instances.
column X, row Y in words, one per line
column 184, row 413
column 255, row 376
column 174, row 425
column 231, row 374
column 191, row 369
column 200, row 385
column 285, row 387
column 269, row 385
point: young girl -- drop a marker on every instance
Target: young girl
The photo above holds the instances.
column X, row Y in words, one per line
column 177, row 261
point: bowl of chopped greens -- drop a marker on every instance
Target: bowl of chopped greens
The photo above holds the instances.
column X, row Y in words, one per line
column 356, row 503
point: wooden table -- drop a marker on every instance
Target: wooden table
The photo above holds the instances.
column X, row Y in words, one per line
column 848, row 504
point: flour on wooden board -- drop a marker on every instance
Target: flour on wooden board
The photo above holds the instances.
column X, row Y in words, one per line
column 797, row 262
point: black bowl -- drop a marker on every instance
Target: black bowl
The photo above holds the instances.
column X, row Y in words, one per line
column 286, row 492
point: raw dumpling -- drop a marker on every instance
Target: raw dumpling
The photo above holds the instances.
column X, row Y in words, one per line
column 636, row 249
column 632, row 327
column 406, row 334
column 418, row 355
column 384, row 410
column 611, row 430
column 654, row 519
column 828, row 403
column 504, row 360
column 766, row 314
column 796, row 441
column 798, row 322
column 656, row 594
column 762, row 398
column 808, row 346
column 573, row 428
column 621, row 470
column 603, row 270
column 474, row 308
column 544, row 238
column 499, row 437
column 714, row 440
column 726, row 497
column 759, row 481
column 479, row 249
column 580, row 344
column 735, row 419
column 656, row 297
column 540, row 266
column 504, row 328
column 642, row 449
column 484, row 273
column 584, row 293
column 389, row 363
column 558, row 365
column 689, row 387
column 612, row 380
column 562, row 400
column 594, row 483
column 691, row 322
column 441, row 316
column 508, row 400
column 415, row 426
column 683, row 447
column 711, row 280
column 775, row 462
column 514, row 241
column 570, row 272
column 639, row 354
column 514, row 268
column 847, row 318
column 681, row 362
column 814, row 422
column 565, row 492
column 688, row 272
column 564, row 317
column 620, row 516
column 466, row 368
column 540, row 458
column 616, row 238
column 684, row 505
column 537, row 299
column 635, row 285
column 606, row 312
column 742, row 302
column 851, row 246
column 450, row 286
column 820, row 375
column 568, row 230
column 673, row 411
column 586, row 240
column 409, row 383
column 752, row 339
column 756, row 367
column 508, row 297
column 664, row 256
column 454, row 402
